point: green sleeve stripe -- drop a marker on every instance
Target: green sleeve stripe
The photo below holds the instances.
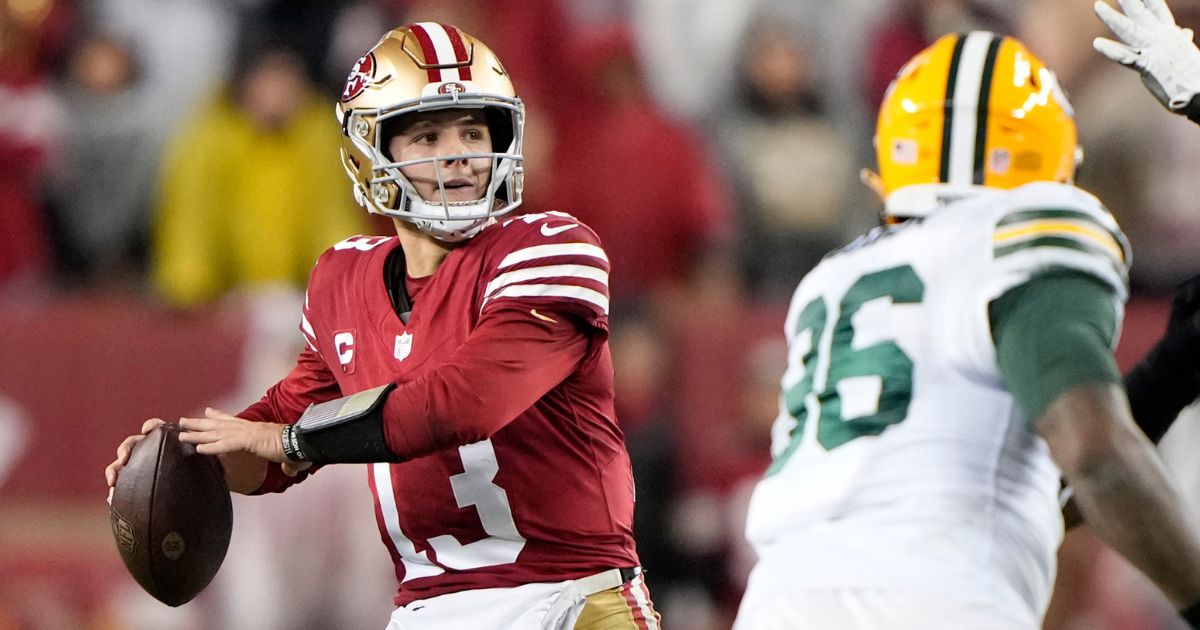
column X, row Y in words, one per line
column 1063, row 242
column 1015, row 219
column 1055, row 213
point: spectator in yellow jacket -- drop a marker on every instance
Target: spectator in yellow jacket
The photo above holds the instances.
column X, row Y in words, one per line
column 252, row 188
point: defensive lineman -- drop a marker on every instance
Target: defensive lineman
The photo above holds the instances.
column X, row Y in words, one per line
column 945, row 369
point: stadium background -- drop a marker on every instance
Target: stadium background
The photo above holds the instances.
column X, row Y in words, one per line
column 168, row 173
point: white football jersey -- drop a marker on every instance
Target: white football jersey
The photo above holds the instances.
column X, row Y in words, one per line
column 900, row 459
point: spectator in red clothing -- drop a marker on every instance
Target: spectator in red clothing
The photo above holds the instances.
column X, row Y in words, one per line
column 31, row 122
column 914, row 25
column 643, row 182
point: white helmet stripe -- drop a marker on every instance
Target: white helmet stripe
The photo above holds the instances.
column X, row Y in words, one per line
column 443, row 48
column 968, row 84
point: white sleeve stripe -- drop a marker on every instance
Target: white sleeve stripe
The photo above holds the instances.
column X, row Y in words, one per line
column 548, row 251
column 552, row 290
column 307, row 327
column 550, row 271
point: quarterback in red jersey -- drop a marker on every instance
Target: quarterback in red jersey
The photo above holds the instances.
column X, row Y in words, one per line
column 465, row 360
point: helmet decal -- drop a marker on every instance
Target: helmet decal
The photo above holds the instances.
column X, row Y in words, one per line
column 972, row 65
column 446, row 57
column 362, row 75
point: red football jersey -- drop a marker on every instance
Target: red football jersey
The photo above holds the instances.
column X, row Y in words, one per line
column 549, row 495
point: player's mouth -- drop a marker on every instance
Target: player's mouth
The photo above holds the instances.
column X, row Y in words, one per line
column 460, row 189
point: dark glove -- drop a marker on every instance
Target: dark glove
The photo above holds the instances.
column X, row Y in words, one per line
column 1191, row 614
column 1168, row 379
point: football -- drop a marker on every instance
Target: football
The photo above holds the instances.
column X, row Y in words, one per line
column 171, row 516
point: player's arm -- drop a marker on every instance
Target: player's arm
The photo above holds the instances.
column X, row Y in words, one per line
column 513, row 358
column 510, row 361
column 249, row 443
column 1162, row 52
column 1168, row 379
column 1053, row 338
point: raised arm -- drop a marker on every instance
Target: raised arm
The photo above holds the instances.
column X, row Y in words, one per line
column 1053, row 341
column 1162, row 52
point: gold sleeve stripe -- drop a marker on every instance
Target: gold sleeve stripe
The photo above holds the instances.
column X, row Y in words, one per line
column 1087, row 232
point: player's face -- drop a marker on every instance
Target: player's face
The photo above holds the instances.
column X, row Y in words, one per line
column 445, row 133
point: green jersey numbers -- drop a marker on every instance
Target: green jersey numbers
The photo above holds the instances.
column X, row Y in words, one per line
column 835, row 369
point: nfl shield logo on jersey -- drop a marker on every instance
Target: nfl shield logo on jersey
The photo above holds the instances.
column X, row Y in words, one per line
column 403, row 346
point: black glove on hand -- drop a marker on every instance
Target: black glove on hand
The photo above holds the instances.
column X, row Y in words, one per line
column 1168, row 379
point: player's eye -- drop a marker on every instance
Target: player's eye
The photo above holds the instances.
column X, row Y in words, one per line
column 427, row 138
column 473, row 135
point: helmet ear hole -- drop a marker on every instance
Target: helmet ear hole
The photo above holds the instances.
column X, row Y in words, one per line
column 387, row 130
column 500, row 126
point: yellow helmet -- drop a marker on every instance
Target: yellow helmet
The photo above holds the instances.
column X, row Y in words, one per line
column 419, row 68
column 974, row 110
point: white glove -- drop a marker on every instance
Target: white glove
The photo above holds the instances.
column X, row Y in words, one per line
column 1157, row 48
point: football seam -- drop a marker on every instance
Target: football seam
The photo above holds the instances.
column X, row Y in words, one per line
column 162, row 447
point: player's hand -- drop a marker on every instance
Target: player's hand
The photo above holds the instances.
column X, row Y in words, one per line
column 123, row 451
column 218, row 432
column 1156, row 47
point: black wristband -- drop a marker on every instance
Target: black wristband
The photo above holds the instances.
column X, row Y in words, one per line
column 1192, row 109
column 344, row 430
column 291, row 444
column 1191, row 614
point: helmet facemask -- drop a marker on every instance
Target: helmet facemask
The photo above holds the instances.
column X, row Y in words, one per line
column 406, row 74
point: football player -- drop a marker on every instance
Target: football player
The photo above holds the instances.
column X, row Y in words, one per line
column 1167, row 380
column 948, row 367
column 465, row 360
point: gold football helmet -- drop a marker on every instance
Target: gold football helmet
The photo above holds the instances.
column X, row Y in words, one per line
column 974, row 110
column 418, row 68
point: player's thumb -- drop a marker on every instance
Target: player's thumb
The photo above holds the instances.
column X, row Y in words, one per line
column 292, row 469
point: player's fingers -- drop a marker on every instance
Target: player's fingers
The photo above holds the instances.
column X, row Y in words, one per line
column 1124, row 28
column 1136, row 10
column 196, row 435
column 292, row 469
column 210, row 412
column 123, row 451
column 1116, row 51
column 1161, row 11
column 149, row 425
column 197, row 424
column 126, row 447
column 216, row 447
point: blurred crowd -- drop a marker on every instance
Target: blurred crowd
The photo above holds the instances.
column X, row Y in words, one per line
column 183, row 153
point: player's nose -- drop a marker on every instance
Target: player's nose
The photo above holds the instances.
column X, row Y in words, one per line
column 453, row 149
